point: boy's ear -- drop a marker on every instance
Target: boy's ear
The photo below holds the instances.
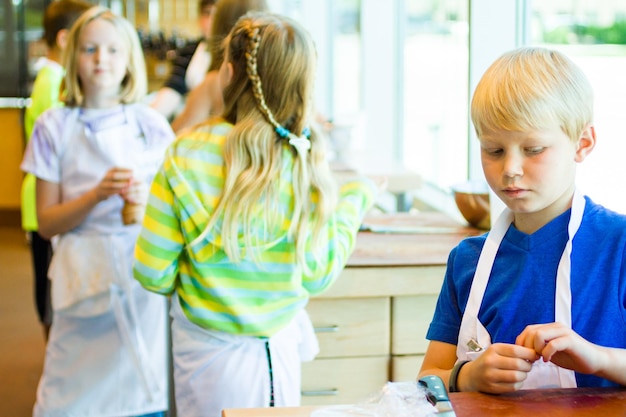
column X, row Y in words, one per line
column 586, row 143
column 62, row 38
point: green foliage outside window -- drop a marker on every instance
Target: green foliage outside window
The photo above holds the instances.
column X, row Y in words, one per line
column 591, row 34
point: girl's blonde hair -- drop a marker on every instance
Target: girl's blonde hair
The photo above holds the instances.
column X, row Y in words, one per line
column 135, row 83
column 533, row 88
column 269, row 102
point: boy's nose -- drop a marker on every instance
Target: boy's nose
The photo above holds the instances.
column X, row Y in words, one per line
column 512, row 166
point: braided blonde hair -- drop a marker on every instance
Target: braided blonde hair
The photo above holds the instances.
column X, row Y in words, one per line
column 254, row 40
column 268, row 99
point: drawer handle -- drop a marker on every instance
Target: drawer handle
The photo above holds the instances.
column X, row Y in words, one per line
column 320, row 393
column 327, row 329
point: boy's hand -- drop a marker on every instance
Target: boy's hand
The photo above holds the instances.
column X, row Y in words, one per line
column 562, row 346
column 501, row 368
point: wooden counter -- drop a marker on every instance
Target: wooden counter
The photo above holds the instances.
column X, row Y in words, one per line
column 576, row 402
column 406, row 249
column 371, row 324
column 572, row 402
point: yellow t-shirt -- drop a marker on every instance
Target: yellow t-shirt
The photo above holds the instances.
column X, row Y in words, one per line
column 45, row 95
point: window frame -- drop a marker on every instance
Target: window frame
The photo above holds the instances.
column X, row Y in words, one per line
column 382, row 46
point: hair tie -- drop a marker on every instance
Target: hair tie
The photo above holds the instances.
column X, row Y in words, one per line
column 301, row 143
column 282, row 132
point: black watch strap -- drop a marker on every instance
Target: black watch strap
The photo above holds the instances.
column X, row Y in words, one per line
column 454, row 376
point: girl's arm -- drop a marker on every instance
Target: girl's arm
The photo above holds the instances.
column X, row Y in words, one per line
column 356, row 197
column 55, row 216
column 160, row 242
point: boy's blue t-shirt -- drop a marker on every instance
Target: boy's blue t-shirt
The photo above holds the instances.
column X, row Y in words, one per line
column 521, row 289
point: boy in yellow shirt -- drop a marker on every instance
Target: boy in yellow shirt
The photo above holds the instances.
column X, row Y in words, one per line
column 58, row 19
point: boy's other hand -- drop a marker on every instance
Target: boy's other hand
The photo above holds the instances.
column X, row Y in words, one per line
column 562, row 346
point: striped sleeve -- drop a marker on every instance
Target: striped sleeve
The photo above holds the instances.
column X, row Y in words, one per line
column 160, row 242
column 356, row 197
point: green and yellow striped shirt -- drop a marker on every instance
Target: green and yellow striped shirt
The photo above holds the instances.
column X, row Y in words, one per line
column 251, row 297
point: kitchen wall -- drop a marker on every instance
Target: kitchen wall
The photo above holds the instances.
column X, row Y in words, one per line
column 173, row 20
column 168, row 16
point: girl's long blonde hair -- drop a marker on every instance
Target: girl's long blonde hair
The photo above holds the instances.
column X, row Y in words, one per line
column 271, row 91
column 135, row 83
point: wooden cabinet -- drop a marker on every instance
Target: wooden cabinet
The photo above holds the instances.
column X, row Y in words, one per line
column 351, row 326
column 342, row 380
column 354, row 349
column 12, row 149
column 411, row 317
column 371, row 325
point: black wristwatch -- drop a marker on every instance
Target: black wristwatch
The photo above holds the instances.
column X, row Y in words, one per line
column 454, row 375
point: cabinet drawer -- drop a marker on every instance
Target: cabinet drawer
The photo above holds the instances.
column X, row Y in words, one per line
column 351, row 327
column 342, row 381
column 411, row 317
column 405, row 368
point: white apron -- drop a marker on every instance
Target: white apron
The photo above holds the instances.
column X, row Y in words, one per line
column 107, row 353
column 542, row 374
column 215, row 370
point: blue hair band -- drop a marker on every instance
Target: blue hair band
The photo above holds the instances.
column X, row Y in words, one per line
column 284, row 132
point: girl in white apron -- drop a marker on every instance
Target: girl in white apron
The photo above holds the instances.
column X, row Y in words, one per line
column 234, row 233
column 107, row 353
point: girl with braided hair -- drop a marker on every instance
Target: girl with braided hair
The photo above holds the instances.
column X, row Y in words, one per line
column 244, row 223
column 205, row 99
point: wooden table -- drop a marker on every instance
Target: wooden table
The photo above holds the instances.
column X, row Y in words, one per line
column 576, row 402
column 371, row 324
column 402, row 239
column 573, row 402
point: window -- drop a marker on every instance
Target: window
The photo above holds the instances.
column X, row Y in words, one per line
column 435, row 89
column 397, row 74
column 401, row 73
column 593, row 34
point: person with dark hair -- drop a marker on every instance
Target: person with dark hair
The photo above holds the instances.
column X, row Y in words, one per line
column 206, row 98
column 191, row 63
column 57, row 20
